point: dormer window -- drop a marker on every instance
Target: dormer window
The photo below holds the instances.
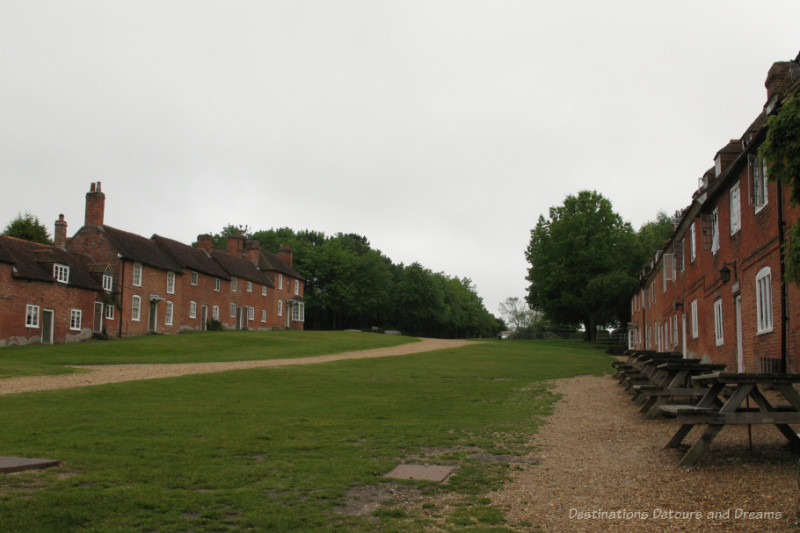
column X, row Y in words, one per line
column 108, row 282
column 718, row 165
column 61, row 273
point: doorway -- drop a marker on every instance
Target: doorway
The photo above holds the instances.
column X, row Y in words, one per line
column 47, row 326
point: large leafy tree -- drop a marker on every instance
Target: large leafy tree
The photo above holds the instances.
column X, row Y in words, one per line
column 583, row 260
column 781, row 150
column 29, row 228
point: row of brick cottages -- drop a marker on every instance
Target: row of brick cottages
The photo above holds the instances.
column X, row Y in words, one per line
column 716, row 289
column 105, row 280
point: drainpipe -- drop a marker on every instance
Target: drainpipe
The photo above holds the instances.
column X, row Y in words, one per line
column 121, row 298
column 781, row 243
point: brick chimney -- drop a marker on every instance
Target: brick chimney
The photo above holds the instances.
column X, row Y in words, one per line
column 205, row 242
column 95, row 206
column 252, row 251
column 236, row 245
column 60, row 233
column 285, row 253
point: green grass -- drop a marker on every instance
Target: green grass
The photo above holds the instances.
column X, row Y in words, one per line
column 187, row 348
column 278, row 449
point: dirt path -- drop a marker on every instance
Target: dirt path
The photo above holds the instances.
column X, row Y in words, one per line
column 604, row 468
column 101, row 374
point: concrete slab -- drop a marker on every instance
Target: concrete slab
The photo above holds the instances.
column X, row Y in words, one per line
column 19, row 464
column 436, row 473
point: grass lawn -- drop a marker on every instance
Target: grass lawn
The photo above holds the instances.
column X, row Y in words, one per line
column 197, row 347
column 282, row 449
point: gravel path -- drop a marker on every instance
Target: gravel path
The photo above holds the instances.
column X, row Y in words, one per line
column 606, row 469
column 101, row 374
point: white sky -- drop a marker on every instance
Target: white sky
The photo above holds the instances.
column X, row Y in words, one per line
column 440, row 130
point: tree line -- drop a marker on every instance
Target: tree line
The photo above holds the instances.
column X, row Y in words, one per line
column 350, row 285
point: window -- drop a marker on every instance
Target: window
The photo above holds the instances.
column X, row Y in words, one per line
column 216, row 284
column 109, row 312
column 264, row 290
column 215, row 312
column 170, row 312
column 675, row 330
column 233, row 310
column 170, row 282
column 758, row 170
column 75, row 319
column 195, row 277
column 233, row 284
column 280, row 307
column 280, row 281
column 736, row 208
column 298, row 312
column 251, row 313
column 61, row 273
column 32, row 316
column 764, row 301
column 653, row 292
column 249, row 286
column 718, row 329
column 192, row 309
column 264, row 316
column 136, row 308
column 108, row 282
column 692, row 244
column 695, row 328
column 297, row 287
column 715, row 231
column 137, row 274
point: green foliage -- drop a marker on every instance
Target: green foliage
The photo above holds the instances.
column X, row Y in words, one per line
column 583, row 262
column 28, row 227
column 279, row 449
column 652, row 235
column 781, row 151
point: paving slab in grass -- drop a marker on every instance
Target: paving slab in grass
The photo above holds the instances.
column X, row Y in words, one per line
column 436, row 473
column 18, row 464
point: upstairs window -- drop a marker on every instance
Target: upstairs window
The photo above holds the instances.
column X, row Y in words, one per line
column 264, row 290
column 216, row 284
column 692, row 244
column 108, row 282
column 195, row 278
column 718, row 328
column 280, row 281
column 137, row 274
column 758, row 177
column 736, row 208
column 233, row 284
column 170, row 282
column 296, row 287
column 61, row 273
column 249, row 286
column 715, row 231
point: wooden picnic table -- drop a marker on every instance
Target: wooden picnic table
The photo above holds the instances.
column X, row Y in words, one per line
column 721, row 405
column 672, row 380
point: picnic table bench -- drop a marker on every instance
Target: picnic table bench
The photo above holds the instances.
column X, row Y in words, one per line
column 721, row 405
column 672, row 380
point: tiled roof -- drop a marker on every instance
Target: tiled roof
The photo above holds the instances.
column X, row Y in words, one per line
column 141, row 249
column 270, row 261
column 191, row 258
column 239, row 267
column 35, row 261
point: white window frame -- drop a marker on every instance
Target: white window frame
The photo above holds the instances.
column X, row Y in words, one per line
column 764, row 314
column 233, row 284
column 264, row 316
column 32, row 316
column 280, row 307
column 719, row 329
column 170, row 282
column 736, row 208
column 233, row 310
column 61, row 273
column 695, row 320
column 251, row 313
column 136, row 308
column 249, row 286
column 108, row 282
column 215, row 313
column 195, row 278
column 137, row 275
column 192, row 309
column 760, row 196
column 715, row 230
column 297, row 287
column 692, row 243
column 217, row 284
column 298, row 312
column 264, row 290
column 109, row 312
column 280, row 281
column 169, row 313
column 75, row 316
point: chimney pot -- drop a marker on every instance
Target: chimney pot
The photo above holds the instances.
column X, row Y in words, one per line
column 60, row 233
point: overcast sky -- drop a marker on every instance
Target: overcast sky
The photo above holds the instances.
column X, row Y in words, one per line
column 440, row 130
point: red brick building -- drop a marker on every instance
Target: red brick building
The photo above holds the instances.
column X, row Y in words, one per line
column 108, row 281
column 716, row 289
